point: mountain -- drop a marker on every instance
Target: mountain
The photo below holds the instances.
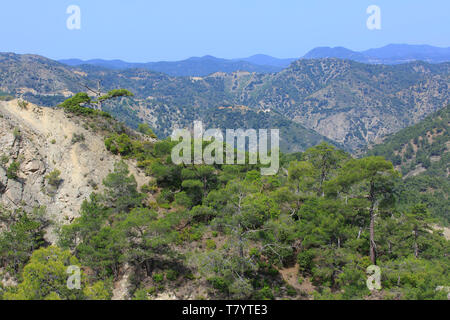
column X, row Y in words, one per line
column 421, row 153
column 401, row 53
column 46, row 80
column 337, row 52
column 195, row 66
column 350, row 103
column 79, row 189
column 260, row 63
column 265, row 60
column 110, row 64
column 390, row 54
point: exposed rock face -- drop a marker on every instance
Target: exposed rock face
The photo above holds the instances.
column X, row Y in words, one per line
column 40, row 139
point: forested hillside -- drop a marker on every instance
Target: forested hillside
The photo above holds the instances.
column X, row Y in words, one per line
column 350, row 103
column 421, row 154
column 224, row 231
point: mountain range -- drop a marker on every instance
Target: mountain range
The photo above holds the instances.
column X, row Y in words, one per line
column 350, row 103
column 80, row 187
column 202, row 66
column 195, row 66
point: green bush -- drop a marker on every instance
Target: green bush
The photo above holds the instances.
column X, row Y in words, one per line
column 144, row 128
column 77, row 138
column 291, row 291
column 119, row 144
column 12, row 170
column 210, row 244
column 171, row 275
column 305, row 260
column 54, row 178
column 158, row 277
column 219, row 283
column 264, row 294
column 141, row 295
column 22, row 104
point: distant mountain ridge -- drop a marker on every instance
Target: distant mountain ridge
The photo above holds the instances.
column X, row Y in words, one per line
column 348, row 102
column 260, row 63
column 390, row 54
column 195, row 66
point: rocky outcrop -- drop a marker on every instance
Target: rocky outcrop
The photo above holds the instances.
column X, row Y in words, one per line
column 40, row 140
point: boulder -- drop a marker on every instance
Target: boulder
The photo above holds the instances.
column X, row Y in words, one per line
column 32, row 166
column 14, row 191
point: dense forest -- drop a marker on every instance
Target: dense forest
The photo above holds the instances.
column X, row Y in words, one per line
column 420, row 153
column 227, row 229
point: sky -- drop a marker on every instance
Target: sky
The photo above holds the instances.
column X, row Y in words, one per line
column 149, row 30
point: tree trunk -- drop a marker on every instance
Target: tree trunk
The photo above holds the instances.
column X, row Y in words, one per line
column 148, row 267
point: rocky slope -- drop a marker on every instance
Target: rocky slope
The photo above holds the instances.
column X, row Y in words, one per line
column 41, row 141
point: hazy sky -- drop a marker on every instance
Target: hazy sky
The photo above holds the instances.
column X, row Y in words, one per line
column 149, row 30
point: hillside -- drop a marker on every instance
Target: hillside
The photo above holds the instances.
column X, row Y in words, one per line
column 44, row 140
column 348, row 102
column 77, row 187
column 421, row 153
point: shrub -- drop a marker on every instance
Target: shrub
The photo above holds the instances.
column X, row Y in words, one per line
column 17, row 134
column 171, row 275
column 54, row 178
column 140, row 294
column 264, row 294
column 219, row 283
column 291, row 291
column 146, row 188
column 119, row 144
column 144, row 128
column 158, row 277
column 12, row 170
column 210, row 244
column 77, row 138
column 305, row 260
column 165, row 197
column 22, row 104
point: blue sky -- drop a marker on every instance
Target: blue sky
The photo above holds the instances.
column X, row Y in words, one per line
column 149, row 30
